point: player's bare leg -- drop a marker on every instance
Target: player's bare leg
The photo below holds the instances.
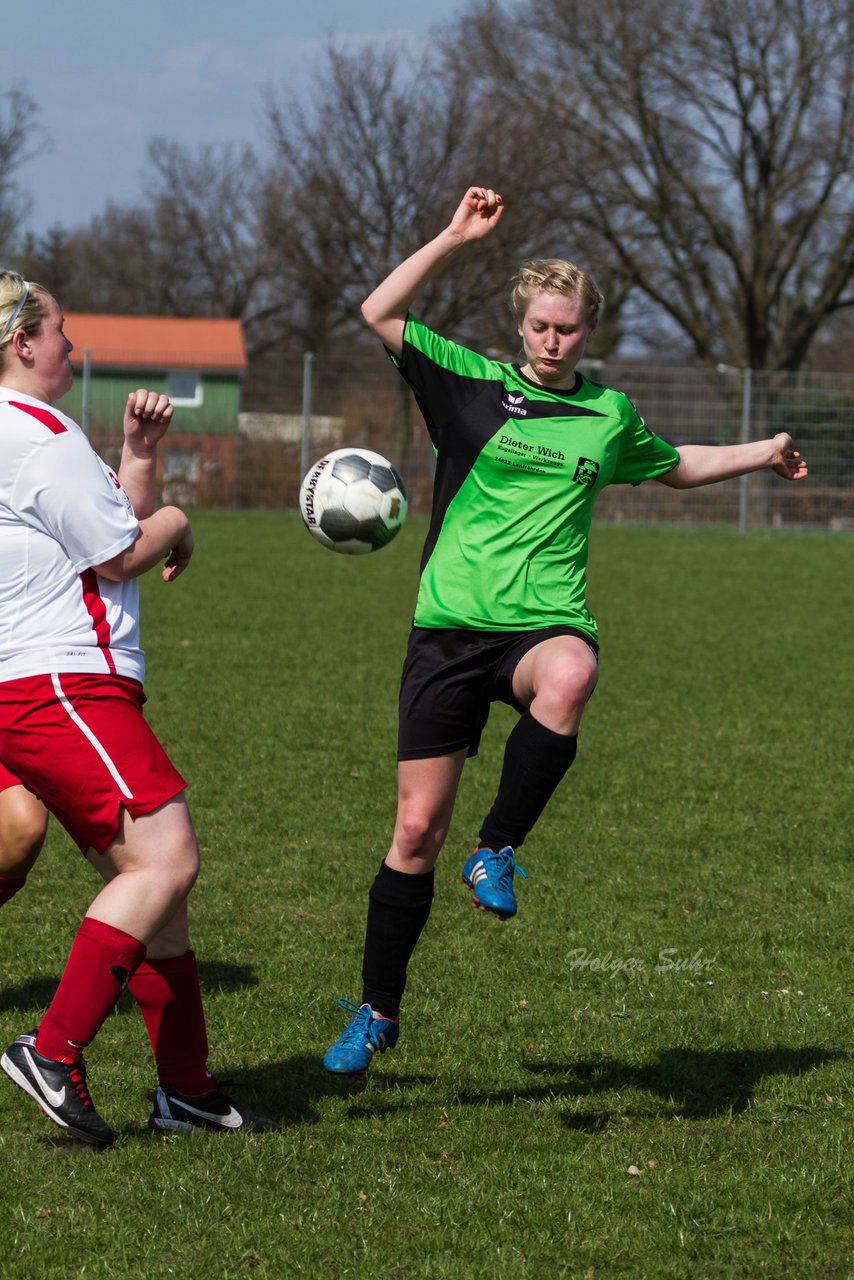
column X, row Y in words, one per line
column 156, row 859
column 23, row 823
column 426, row 792
column 399, row 905
column 553, row 681
column 148, row 872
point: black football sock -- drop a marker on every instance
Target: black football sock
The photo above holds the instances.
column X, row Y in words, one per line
column 398, row 908
column 535, row 760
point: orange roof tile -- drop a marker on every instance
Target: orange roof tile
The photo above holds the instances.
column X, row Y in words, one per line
column 156, row 342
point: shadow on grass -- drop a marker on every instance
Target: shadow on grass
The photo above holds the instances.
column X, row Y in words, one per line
column 691, row 1083
column 289, row 1091
column 214, row 975
column 221, row 975
column 699, row 1084
column 702, row 1085
column 35, row 993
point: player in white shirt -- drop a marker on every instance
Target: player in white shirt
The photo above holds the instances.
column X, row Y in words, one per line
column 74, row 537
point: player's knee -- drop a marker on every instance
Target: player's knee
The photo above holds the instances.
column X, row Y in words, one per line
column 179, row 872
column 188, row 870
column 165, row 847
column 418, row 833
column 569, row 687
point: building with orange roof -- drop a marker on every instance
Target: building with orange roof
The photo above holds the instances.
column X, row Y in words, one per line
column 199, row 362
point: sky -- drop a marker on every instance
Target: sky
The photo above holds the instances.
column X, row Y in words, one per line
column 109, row 75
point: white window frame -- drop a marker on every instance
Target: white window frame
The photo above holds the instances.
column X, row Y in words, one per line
column 186, row 402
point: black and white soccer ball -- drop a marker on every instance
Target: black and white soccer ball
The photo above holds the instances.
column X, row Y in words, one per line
column 353, row 501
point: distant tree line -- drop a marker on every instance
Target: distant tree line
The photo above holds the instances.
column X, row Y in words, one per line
column 694, row 155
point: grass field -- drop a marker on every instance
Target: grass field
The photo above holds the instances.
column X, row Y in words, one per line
column 647, row 1073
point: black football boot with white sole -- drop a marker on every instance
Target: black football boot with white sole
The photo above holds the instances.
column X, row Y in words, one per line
column 59, row 1088
column 173, row 1112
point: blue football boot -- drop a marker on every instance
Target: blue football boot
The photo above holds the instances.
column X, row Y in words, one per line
column 366, row 1033
column 489, row 875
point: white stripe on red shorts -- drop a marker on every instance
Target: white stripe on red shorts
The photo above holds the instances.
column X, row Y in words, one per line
column 81, row 742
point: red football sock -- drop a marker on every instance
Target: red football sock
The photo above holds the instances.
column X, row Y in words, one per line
column 170, row 999
column 9, row 887
column 101, row 961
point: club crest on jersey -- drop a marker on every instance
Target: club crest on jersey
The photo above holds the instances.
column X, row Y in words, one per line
column 586, row 472
column 514, row 404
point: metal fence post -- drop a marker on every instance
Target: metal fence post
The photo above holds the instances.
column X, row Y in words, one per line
column 307, row 379
column 746, row 395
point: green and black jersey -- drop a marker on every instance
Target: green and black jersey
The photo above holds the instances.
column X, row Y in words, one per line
column 518, row 469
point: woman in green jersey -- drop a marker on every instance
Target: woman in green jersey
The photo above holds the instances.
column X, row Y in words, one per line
column 522, row 452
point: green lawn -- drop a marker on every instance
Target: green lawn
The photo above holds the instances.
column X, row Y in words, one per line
column 646, row 1074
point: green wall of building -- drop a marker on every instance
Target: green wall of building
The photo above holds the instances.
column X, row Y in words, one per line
column 108, row 392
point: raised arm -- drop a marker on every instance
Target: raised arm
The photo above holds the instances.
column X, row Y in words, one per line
column 384, row 312
column 164, row 535
column 706, row 464
column 146, row 420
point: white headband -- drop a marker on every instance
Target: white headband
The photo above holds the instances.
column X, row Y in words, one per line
column 8, row 327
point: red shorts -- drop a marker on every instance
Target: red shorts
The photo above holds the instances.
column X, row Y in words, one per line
column 7, row 779
column 81, row 743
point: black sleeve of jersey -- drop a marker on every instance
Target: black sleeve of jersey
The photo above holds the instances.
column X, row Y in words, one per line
column 443, row 381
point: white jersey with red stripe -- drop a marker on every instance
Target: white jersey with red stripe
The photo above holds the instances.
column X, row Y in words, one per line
column 62, row 511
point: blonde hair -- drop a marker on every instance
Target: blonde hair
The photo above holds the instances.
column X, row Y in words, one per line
column 21, row 305
column 554, row 275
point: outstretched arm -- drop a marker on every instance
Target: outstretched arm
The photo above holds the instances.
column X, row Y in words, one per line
column 385, row 310
column 706, row 464
column 146, row 420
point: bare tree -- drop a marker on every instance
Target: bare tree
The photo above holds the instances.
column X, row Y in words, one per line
column 21, row 138
column 205, row 213
column 371, row 172
column 707, row 143
column 116, row 264
column 831, row 350
column 194, row 249
column 47, row 259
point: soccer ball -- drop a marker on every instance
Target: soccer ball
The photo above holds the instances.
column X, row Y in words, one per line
column 353, row 501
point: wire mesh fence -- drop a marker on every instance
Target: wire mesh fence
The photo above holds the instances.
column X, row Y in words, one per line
column 258, row 460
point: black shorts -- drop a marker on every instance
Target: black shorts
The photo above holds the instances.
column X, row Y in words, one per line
column 450, row 678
